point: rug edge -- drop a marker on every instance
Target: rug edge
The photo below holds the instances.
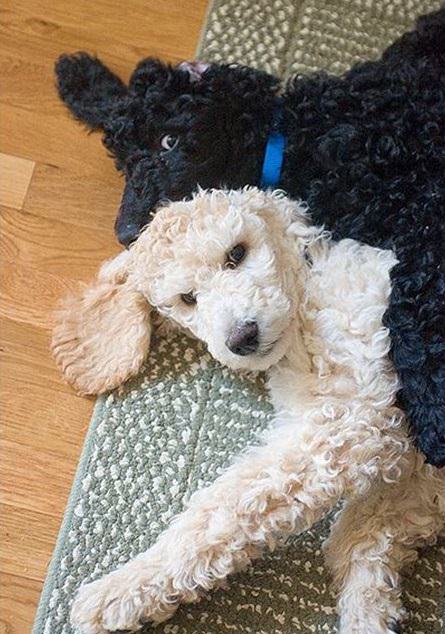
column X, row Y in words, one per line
column 82, row 468
column 211, row 5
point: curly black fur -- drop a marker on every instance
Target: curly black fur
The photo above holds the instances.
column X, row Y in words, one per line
column 366, row 150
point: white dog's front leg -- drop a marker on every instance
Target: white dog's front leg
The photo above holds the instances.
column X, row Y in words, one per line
column 273, row 491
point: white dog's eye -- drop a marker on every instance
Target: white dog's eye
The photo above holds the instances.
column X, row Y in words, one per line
column 189, row 298
column 235, row 256
column 169, row 142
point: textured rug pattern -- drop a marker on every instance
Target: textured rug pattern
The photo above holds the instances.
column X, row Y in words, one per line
column 289, row 36
column 180, row 423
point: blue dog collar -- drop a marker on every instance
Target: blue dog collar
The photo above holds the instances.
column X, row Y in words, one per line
column 274, row 154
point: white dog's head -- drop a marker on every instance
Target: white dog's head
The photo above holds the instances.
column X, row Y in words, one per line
column 226, row 266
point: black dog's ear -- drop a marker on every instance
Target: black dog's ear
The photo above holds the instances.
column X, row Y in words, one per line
column 248, row 98
column 250, row 87
column 149, row 74
column 88, row 88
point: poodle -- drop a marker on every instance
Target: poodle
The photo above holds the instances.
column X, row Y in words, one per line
column 245, row 272
column 365, row 150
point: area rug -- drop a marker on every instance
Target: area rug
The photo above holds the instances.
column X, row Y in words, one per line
column 153, row 443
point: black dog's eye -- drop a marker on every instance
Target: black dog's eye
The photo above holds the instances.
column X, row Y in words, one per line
column 169, row 142
column 235, row 256
column 189, row 298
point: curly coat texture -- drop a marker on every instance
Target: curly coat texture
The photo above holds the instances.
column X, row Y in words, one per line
column 366, row 150
column 337, row 432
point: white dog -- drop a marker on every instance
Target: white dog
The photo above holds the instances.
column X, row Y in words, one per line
column 247, row 274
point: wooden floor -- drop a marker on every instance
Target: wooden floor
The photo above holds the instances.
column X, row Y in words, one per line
column 58, row 195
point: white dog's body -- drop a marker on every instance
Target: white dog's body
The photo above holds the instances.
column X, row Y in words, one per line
column 337, row 433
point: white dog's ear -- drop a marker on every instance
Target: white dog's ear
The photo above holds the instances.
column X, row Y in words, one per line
column 285, row 214
column 102, row 335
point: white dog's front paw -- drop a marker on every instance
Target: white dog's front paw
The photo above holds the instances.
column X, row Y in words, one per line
column 377, row 619
column 120, row 601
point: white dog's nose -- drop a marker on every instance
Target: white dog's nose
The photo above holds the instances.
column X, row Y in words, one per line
column 243, row 338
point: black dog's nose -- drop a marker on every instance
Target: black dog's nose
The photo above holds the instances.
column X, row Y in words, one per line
column 127, row 233
column 243, row 339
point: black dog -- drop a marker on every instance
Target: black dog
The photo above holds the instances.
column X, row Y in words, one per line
column 366, row 150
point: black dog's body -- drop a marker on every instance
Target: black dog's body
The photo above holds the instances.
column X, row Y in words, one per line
column 366, row 150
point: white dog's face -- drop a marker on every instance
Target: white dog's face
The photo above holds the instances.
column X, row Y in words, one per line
column 223, row 267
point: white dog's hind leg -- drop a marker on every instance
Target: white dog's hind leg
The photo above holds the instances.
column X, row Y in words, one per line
column 371, row 541
column 271, row 492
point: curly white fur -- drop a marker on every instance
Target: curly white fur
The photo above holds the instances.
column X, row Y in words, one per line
column 337, row 432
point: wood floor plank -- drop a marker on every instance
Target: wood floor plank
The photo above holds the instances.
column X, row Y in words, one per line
column 39, row 410
column 22, row 470
column 23, row 47
column 168, row 29
column 60, row 428
column 34, row 424
column 54, row 246
column 30, row 296
column 26, row 359
column 52, row 138
column 15, row 178
column 27, row 540
column 86, row 200
column 18, row 597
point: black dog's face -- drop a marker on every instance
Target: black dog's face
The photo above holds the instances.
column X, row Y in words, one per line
column 173, row 128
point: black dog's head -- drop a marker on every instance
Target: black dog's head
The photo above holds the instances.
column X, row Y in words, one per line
column 172, row 128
